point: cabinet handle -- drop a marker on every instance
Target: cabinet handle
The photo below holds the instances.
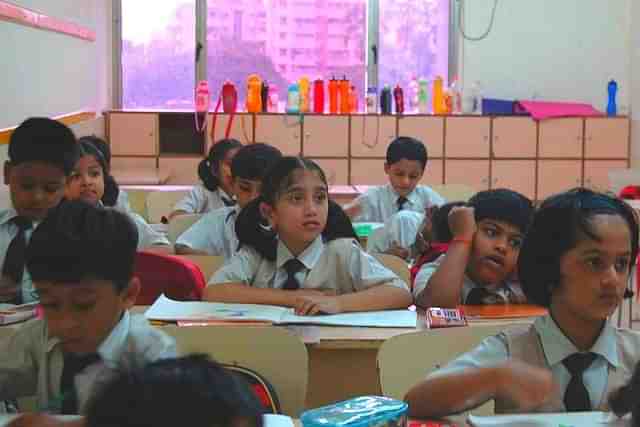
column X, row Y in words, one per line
column 486, row 138
column 295, row 135
column 495, row 138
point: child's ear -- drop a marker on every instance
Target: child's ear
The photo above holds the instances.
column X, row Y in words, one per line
column 266, row 211
column 7, row 172
column 130, row 294
column 386, row 168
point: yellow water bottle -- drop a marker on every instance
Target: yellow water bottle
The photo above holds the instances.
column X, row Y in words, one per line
column 304, row 87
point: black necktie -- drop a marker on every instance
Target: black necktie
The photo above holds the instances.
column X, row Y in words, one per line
column 228, row 202
column 292, row 266
column 401, row 202
column 73, row 365
column 13, row 267
column 576, row 397
column 477, row 295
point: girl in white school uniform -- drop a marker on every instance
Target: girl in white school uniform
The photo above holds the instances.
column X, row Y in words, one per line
column 215, row 190
column 575, row 260
column 298, row 249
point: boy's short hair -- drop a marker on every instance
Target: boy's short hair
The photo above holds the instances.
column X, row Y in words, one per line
column 404, row 147
column 78, row 241
column 252, row 161
column 440, row 221
column 40, row 139
column 505, row 205
column 191, row 391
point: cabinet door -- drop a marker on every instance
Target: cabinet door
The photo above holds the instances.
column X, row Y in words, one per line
column 429, row 130
column 368, row 172
column 474, row 173
column 517, row 175
column 561, row 138
column 606, row 138
column 326, row 136
column 133, row 134
column 596, row 173
column 241, row 128
column 280, row 130
column 136, row 171
column 371, row 135
column 180, row 170
column 336, row 170
column 467, row 136
column 555, row 176
column 433, row 172
column 514, row 137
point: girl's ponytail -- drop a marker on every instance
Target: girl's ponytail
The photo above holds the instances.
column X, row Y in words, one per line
column 209, row 168
column 253, row 230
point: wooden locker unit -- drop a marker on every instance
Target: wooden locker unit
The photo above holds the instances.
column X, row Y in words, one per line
column 428, row 129
column 467, row 137
column 325, row 136
column 180, row 170
column 514, row 137
column 371, row 135
column 241, row 128
column 434, row 172
column 555, row 176
column 368, row 172
column 281, row 131
column 473, row 172
column 133, row 134
column 596, row 173
column 606, row 138
column 336, row 170
column 518, row 175
column 560, row 138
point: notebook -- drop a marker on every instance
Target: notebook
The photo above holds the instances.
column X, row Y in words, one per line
column 569, row 419
column 10, row 313
column 165, row 309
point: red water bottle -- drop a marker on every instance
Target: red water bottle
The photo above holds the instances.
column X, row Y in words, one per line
column 318, row 96
column 398, row 96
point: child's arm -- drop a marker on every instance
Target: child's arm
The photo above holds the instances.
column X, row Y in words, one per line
column 444, row 287
column 245, row 294
column 193, row 202
column 186, row 250
column 176, row 213
column 381, row 297
column 204, row 237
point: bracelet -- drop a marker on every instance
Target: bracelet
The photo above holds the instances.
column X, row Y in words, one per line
column 461, row 240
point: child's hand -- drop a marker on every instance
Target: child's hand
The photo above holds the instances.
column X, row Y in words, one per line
column 398, row 251
column 462, row 222
column 526, row 386
column 43, row 420
column 311, row 305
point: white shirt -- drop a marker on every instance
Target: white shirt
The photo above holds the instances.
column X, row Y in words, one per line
column 122, row 202
column 147, row 236
column 214, row 233
column 345, row 255
column 380, row 203
column 401, row 229
column 9, row 230
column 200, row 200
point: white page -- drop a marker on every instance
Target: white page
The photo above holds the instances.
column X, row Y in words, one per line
column 572, row 419
column 5, row 419
column 274, row 420
column 378, row 319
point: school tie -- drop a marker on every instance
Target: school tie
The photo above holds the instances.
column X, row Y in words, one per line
column 228, row 202
column 576, row 397
column 292, row 266
column 13, row 267
column 477, row 295
column 401, row 202
column 73, row 365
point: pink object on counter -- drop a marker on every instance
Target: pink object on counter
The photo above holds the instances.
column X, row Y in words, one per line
column 547, row 110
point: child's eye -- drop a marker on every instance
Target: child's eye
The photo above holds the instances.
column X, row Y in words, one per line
column 622, row 265
column 52, row 188
column 490, row 232
column 595, row 264
column 94, row 174
column 321, row 197
column 515, row 243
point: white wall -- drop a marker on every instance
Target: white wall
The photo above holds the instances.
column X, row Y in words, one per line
column 634, row 52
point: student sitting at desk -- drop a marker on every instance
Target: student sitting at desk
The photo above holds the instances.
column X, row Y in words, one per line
column 575, row 260
column 214, row 233
column 405, row 165
column 304, row 255
column 81, row 259
column 482, row 255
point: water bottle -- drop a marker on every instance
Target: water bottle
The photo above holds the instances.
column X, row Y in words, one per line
column 476, row 96
column 385, row 100
column 371, row 100
column 612, row 108
column 437, row 96
column 423, row 96
column 293, row 99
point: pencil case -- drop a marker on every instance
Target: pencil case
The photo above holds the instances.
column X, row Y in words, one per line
column 365, row 411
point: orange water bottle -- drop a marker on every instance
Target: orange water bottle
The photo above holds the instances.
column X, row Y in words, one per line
column 333, row 96
column 254, row 98
column 304, row 86
column 344, row 95
column 438, row 96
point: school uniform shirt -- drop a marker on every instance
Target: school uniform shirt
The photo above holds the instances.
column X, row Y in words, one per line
column 543, row 344
column 122, row 202
column 147, row 236
column 200, row 200
column 339, row 265
column 401, row 228
column 9, row 230
column 380, row 203
column 214, row 233
column 501, row 293
column 31, row 362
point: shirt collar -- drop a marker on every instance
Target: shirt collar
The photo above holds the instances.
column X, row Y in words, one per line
column 308, row 257
column 232, row 213
column 223, row 194
column 412, row 197
column 7, row 215
column 557, row 347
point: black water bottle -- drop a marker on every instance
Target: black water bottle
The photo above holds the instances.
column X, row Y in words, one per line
column 385, row 100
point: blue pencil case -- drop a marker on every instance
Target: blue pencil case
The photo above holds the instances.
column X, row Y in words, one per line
column 365, row 411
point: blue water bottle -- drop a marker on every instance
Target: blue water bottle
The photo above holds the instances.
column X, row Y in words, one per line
column 612, row 108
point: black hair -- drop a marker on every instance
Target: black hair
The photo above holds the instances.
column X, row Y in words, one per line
column 625, row 399
column 101, row 145
column 252, row 228
column 253, row 161
column 78, row 241
column 404, row 147
column 40, row 139
column 111, row 188
column 503, row 205
column 191, row 390
column 440, row 222
column 209, row 168
column 559, row 224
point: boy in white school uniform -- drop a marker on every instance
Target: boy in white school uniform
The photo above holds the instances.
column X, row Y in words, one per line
column 214, row 233
column 81, row 259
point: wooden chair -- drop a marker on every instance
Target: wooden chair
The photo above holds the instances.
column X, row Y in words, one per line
column 209, row 264
column 161, row 203
column 454, row 192
column 180, row 224
column 404, row 360
column 273, row 352
column 397, row 265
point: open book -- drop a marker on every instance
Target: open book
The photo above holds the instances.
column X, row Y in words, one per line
column 11, row 313
column 569, row 419
column 169, row 310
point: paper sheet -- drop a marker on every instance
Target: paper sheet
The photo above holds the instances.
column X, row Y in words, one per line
column 273, row 420
column 570, row 419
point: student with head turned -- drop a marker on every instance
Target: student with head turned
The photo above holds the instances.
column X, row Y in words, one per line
column 81, row 258
column 214, row 233
column 405, row 165
column 216, row 189
column 191, row 391
column 298, row 249
column 90, row 181
column 576, row 261
column 42, row 153
column 481, row 257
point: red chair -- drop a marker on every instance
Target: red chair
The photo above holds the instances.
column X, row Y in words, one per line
column 178, row 278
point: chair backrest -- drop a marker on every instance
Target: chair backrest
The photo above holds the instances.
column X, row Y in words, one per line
column 178, row 278
column 161, row 203
column 273, row 352
column 208, row 264
column 454, row 192
column 180, row 224
column 404, row 360
column 397, row 265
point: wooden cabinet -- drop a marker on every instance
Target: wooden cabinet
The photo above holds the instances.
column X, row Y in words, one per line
column 596, row 173
column 336, row 170
column 371, row 135
column 606, row 138
column 241, row 128
column 560, row 138
column 428, row 129
column 180, row 170
column 133, row 134
column 474, row 173
column 368, row 172
column 325, row 136
column 555, row 176
column 467, row 136
column 514, row 137
column 280, row 130
column 517, row 175
column 433, row 173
